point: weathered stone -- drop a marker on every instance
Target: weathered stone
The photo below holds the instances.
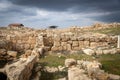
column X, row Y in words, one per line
column 86, row 43
column 27, row 53
column 114, row 77
column 98, row 52
column 76, row 48
column 23, row 71
column 81, row 44
column 64, row 47
column 63, row 43
column 51, row 69
column 26, row 46
column 101, row 76
column 62, row 79
column 56, row 43
column 75, row 44
column 69, row 47
column 75, row 73
column 106, row 51
column 65, row 38
column 54, row 48
column 57, row 38
column 92, row 39
column 73, row 38
column 3, row 52
column 118, row 42
column 69, row 42
column 93, row 44
column 80, row 38
column 89, row 51
column 86, row 39
column 70, row 62
column 61, row 68
column 12, row 53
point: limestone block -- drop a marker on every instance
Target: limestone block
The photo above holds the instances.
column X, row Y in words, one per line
column 76, row 48
column 19, row 41
column 27, row 46
column 65, row 38
column 57, row 38
column 86, row 38
column 64, row 47
column 89, row 51
column 19, row 47
column 60, row 48
column 108, row 39
column 8, row 37
column 114, row 77
column 97, row 39
column 75, row 73
column 86, row 43
column 74, row 38
column 26, row 38
column 93, row 44
column 92, row 39
column 54, row 48
column 69, row 42
column 104, row 44
column 3, row 52
column 63, row 43
column 70, row 62
column 99, row 52
column 69, row 47
column 107, row 51
column 56, row 43
column 81, row 44
column 12, row 53
column 75, row 44
column 102, row 39
column 31, row 41
column 80, row 38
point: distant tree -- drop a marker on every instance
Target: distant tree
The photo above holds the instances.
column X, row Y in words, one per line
column 52, row 27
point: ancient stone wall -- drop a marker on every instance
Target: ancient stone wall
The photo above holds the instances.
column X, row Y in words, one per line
column 70, row 41
column 56, row 39
column 18, row 41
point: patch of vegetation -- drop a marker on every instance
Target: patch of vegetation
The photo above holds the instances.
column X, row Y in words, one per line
column 52, row 60
column 111, row 63
column 52, row 76
column 56, row 60
column 110, row 31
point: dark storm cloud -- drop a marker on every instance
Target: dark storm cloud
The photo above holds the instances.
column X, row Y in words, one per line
column 113, row 17
column 67, row 12
column 78, row 6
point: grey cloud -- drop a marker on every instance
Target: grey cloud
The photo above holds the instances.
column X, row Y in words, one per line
column 113, row 17
column 77, row 6
column 27, row 8
column 82, row 5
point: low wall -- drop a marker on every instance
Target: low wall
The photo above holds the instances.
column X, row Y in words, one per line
column 18, row 41
column 69, row 41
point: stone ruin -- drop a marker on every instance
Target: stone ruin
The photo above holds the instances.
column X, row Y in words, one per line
column 36, row 42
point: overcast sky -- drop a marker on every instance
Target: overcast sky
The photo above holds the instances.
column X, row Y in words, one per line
column 63, row 13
